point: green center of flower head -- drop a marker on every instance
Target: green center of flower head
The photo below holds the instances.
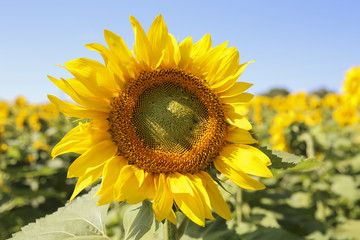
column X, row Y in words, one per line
column 168, row 117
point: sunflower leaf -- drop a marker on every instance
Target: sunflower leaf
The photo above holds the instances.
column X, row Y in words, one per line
column 79, row 219
column 139, row 222
column 269, row 234
column 306, row 165
column 289, row 161
column 213, row 173
column 213, row 230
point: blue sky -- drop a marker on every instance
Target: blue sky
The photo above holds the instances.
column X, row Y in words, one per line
column 299, row 45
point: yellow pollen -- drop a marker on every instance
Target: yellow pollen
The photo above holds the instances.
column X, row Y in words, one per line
column 167, row 121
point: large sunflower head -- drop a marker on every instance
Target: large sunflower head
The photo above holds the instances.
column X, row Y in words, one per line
column 161, row 116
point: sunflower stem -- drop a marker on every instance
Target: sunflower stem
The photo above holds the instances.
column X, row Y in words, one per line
column 182, row 227
column 170, row 231
column 310, row 152
column 238, row 200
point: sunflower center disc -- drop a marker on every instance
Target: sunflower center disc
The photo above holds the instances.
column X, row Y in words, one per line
column 169, row 118
column 167, row 121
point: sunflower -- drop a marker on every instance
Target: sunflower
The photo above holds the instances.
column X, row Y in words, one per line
column 351, row 86
column 160, row 117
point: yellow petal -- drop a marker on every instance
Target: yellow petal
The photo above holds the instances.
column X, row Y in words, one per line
column 77, row 111
column 163, row 201
column 246, row 158
column 127, row 184
column 131, row 186
column 121, row 56
column 83, row 90
column 106, row 197
column 216, row 199
column 111, row 172
column 142, row 47
column 92, row 158
column 200, row 188
column 77, row 95
column 172, row 54
column 177, row 54
column 236, row 119
column 240, row 178
column 178, row 183
column 97, row 47
column 228, row 65
column 139, row 174
column 259, row 154
column 147, row 189
column 117, row 46
column 85, row 181
column 238, row 135
column 210, row 62
column 225, row 83
column 191, row 207
column 185, row 48
column 241, row 123
column 188, row 199
column 238, row 99
column 202, row 46
column 119, row 70
column 158, row 38
column 235, row 89
column 76, row 140
column 94, row 75
column 172, row 217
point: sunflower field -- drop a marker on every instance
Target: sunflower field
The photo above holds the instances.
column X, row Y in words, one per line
column 316, row 200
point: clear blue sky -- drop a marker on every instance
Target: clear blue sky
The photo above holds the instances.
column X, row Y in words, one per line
column 299, row 45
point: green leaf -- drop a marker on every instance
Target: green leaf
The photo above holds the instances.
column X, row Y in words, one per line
column 277, row 162
column 26, row 172
column 79, row 219
column 139, row 222
column 213, row 230
column 348, row 230
column 289, row 161
column 270, row 234
column 305, row 165
column 300, row 200
column 345, row 186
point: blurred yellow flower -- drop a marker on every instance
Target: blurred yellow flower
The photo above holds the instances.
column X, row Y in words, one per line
column 257, row 104
column 346, row 115
column 38, row 144
column 331, row 100
column 48, row 111
column 4, row 112
column 314, row 101
column 30, row 158
column 20, row 101
column 351, row 86
column 21, row 118
column 3, row 147
column 34, row 122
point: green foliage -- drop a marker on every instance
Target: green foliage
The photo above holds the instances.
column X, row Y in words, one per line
column 321, row 92
column 270, row 234
column 313, row 194
column 31, row 184
column 276, row 92
column 290, row 162
column 213, row 230
column 79, row 219
column 319, row 197
column 139, row 222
